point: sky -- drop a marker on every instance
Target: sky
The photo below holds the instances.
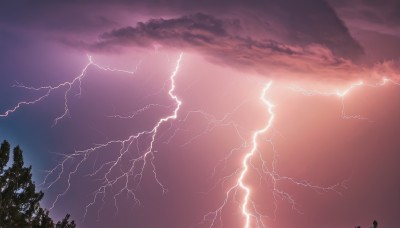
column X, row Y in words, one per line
column 231, row 114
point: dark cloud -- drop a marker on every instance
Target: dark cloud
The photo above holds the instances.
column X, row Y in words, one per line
column 219, row 40
column 289, row 21
column 299, row 36
column 194, row 29
column 370, row 12
column 60, row 17
column 375, row 24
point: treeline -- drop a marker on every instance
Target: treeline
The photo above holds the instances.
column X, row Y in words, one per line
column 19, row 200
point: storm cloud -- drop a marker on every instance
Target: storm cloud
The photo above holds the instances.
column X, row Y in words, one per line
column 221, row 41
column 295, row 38
column 231, row 49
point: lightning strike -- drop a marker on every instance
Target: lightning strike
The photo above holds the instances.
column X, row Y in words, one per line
column 245, row 210
column 145, row 158
column 107, row 170
column 68, row 85
column 252, row 216
column 341, row 94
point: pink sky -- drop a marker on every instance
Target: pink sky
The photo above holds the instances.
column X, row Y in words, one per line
column 334, row 159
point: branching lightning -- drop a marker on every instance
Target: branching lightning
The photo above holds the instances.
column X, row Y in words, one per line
column 252, row 216
column 241, row 192
column 245, row 208
column 68, row 85
column 341, row 94
column 109, row 179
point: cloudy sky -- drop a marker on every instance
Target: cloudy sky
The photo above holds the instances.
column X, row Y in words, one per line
column 93, row 75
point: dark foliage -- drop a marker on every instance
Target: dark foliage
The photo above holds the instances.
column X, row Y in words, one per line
column 19, row 201
column 374, row 225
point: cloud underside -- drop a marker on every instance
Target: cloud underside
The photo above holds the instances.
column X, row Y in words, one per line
column 220, row 40
column 288, row 38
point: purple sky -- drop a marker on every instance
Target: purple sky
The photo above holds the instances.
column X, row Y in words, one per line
column 327, row 161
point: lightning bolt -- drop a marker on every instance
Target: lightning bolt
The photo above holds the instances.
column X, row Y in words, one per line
column 341, row 94
column 240, row 182
column 68, row 85
column 248, row 207
column 149, row 152
column 109, row 179
column 112, row 173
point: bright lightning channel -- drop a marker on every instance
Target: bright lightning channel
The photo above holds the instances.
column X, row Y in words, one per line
column 137, row 165
column 341, row 94
column 68, row 84
column 248, row 207
column 240, row 182
column 147, row 156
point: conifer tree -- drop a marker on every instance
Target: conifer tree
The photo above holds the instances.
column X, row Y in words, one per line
column 19, row 200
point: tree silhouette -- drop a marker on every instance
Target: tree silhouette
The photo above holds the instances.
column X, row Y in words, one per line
column 19, row 201
column 374, row 225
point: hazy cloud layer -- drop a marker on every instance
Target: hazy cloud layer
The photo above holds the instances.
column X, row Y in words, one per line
column 220, row 41
column 305, row 38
